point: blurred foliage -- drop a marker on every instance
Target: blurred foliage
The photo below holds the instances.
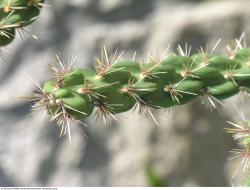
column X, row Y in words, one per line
column 247, row 182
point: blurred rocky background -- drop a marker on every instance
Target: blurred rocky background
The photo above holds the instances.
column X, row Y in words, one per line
column 189, row 148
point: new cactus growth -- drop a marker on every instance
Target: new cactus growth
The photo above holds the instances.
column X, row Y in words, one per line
column 16, row 14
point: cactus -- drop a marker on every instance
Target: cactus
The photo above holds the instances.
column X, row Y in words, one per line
column 118, row 85
column 16, row 14
column 241, row 133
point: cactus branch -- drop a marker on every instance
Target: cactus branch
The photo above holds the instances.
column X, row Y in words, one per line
column 15, row 15
column 118, row 85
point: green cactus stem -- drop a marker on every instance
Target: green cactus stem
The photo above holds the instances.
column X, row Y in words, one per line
column 16, row 14
column 117, row 85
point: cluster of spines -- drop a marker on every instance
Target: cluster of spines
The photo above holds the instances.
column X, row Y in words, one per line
column 15, row 15
column 241, row 133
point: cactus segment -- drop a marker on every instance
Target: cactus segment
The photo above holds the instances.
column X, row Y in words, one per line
column 16, row 14
column 119, row 86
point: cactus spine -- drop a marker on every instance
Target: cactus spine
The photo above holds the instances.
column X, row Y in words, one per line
column 16, row 14
column 241, row 133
